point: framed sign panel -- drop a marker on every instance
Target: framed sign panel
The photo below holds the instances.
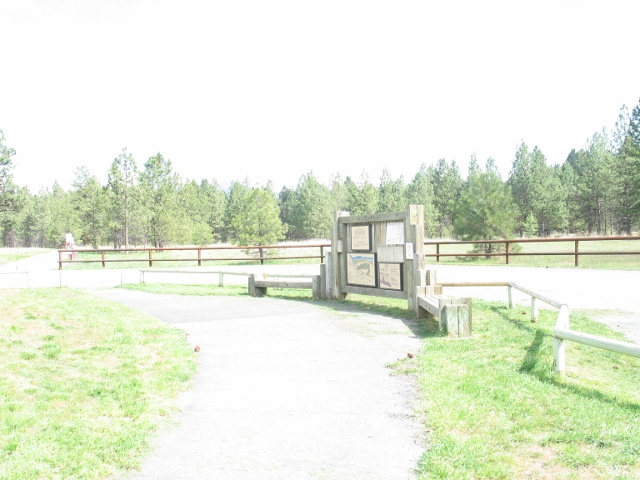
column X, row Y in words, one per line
column 390, row 276
column 361, row 238
column 361, row 269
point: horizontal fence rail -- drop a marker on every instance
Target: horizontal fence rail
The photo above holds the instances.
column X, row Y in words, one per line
column 561, row 331
column 71, row 255
column 508, row 253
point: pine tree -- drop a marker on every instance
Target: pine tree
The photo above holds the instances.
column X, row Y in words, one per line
column 236, row 199
column 485, row 210
column 391, row 193
column 537, row 191
column 311, row 210
column 122, row 185
column 7, row 189
column 631, row 151
column 159, row 192
column 89, row 200
column 216, row 201
column 420, row 192
column 447, row 184
column 595, row 185
column 362, row 198
column 258, row 219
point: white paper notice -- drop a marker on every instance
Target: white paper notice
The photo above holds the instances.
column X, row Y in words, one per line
column 408, row 249
column 395, row 233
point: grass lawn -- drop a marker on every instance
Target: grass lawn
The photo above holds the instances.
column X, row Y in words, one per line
column 84, row 383
column 494, row 408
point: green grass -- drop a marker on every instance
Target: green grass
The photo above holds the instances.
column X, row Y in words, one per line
column 495, row 408
column 84, row 383
column 601, row 262
column 8, row 255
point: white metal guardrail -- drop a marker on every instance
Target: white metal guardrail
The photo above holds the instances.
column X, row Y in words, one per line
column 561, row 332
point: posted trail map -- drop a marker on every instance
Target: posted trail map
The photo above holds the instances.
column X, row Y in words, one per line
column 361, row 269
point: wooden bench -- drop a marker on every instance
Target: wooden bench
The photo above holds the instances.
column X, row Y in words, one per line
column 259, row 282
column 453, row 313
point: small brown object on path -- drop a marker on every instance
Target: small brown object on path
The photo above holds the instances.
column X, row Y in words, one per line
column 197, row 349
column 410, row 355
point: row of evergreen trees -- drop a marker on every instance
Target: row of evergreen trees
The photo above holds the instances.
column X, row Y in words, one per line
column 595, row 191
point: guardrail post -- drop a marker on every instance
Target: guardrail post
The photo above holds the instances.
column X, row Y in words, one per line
column 534, row 309
column 103, row 263
column 510, row 293
column 316, row 290
column 257, row 291
column 220, row 279
column 559, row 354
column 323, row 282
column 576, row 253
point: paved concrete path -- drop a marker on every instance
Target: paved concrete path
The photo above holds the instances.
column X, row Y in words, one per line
column 286, row 390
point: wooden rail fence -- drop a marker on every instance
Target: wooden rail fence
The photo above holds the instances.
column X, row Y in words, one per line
column 508, row 252
column 71, row 255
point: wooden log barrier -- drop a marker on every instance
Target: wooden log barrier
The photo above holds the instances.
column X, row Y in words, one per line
column 453, row 313
column 258, row 284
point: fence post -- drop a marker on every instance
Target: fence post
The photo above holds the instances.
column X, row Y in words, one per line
column 437, row 252
column 506, row 248
column 576, row 253
column 534, row 309
column 510, row 291
column 220, row 279
column 150, row 258
column 199, row 257
column 261, row 256
column 59, row 260
column 321, row 254
column 559, row 354
column 102, row 254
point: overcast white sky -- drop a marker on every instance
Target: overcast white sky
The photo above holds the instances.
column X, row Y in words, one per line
column 273, row 89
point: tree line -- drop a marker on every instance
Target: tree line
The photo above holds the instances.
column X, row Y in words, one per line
column 595, row 191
